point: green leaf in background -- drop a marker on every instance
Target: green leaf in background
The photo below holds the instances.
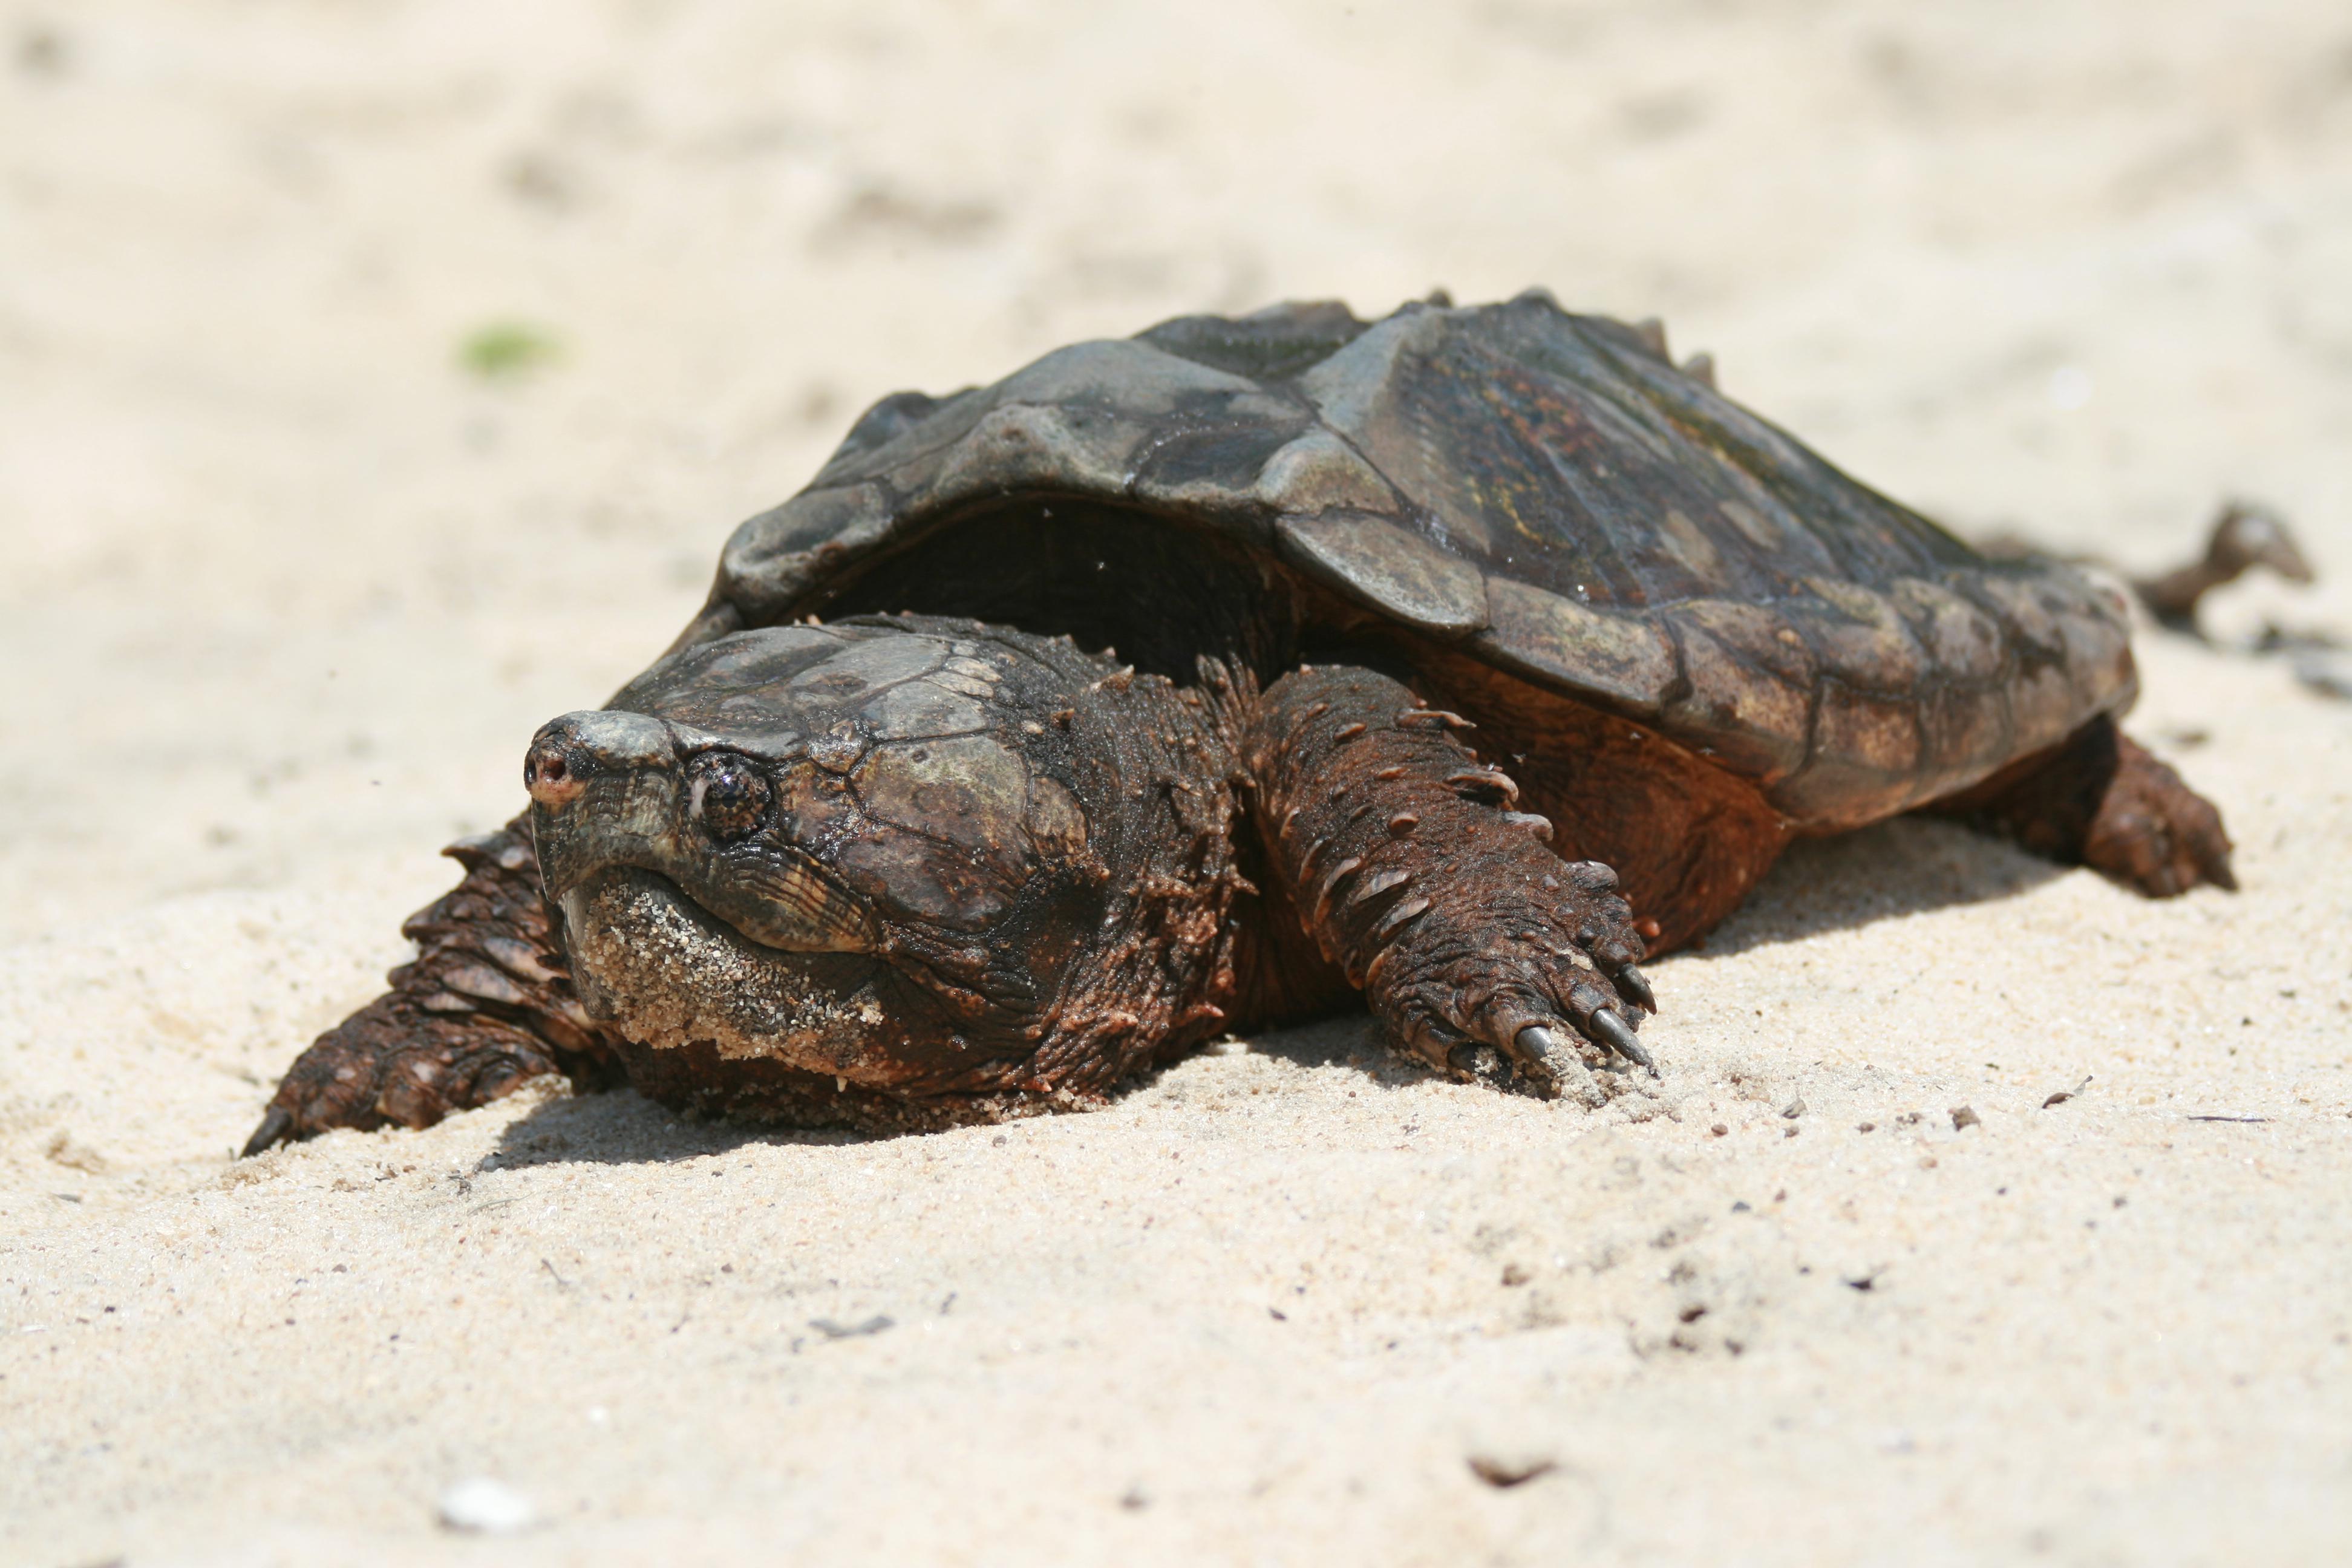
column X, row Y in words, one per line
column 499, row 351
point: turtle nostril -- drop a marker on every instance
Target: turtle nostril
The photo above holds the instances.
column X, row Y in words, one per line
column 548, row 777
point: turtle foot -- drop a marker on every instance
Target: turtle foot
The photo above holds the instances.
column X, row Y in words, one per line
column 1538, row 972
column 2153, row 833
column 1409, row 863
column 487, row 1003
column 392, row 1064
column 2100, row 799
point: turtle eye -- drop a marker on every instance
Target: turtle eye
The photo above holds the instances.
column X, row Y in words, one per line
column 727, row 796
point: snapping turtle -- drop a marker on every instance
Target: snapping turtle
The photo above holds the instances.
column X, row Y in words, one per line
column 1463, row 659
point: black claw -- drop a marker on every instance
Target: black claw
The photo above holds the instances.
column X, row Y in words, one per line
column 1618, row 1035
column 1636, row 988
column 274, row 1126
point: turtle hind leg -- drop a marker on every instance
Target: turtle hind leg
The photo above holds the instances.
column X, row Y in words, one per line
column 1410, row 866
column 2100, row 799
column 487, row 1005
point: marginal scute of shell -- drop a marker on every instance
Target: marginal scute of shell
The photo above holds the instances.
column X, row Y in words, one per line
column 2020, row 601
column 1869, row 731
column 2046, row 707
column 1028, row 445
column 1865, row 642
column 1864, row 760
column 1388, row 567
column 1755, row 634
column 1962, row 640
column 1964, row 733
column 772, row 558
column 1318, row 473
column 1753, row 721
column 1626, row 661
column 2097, row 626
column 2098, row 653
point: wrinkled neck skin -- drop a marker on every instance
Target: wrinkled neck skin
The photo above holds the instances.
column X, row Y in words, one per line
column 897, row 858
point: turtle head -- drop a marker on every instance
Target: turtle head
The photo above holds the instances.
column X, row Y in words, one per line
column 614, row 790
column 856, row 851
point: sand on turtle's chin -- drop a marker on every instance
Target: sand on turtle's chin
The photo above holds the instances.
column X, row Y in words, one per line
column 667, row 973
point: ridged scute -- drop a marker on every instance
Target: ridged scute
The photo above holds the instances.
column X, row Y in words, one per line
column 1544, row 489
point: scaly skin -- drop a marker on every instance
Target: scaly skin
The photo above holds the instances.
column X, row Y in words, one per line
column 487, row 1005
column 1408, row 861
column 2101, row 800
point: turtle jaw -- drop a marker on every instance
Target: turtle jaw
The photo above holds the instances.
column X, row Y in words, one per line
column 667, row 974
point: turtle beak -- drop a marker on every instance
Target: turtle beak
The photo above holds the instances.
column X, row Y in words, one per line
column 600, row 782
column 569, row 754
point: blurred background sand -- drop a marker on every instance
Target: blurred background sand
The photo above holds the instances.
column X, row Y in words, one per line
column 379, row 379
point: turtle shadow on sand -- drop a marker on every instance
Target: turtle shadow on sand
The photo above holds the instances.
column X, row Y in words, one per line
column 621, row 1127
column 1910, row 866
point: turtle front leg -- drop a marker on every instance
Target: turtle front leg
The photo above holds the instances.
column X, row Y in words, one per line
column 487, row 1003
column 1414, row 873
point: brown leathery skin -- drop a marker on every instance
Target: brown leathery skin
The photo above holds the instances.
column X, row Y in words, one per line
column 1688, row 839
column 2100, row 799
column 487, row 1003
column 1417, row 878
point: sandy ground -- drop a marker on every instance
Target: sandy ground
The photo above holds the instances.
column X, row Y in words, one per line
column 284, row 588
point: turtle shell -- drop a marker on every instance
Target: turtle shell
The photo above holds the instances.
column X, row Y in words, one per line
column 1544, row 491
